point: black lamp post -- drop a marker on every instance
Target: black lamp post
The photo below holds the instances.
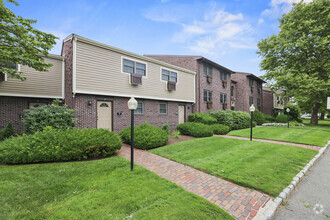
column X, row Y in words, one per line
column 132, row 105
column 288, row 110
column 252, row 109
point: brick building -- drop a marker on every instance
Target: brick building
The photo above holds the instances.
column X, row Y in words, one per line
column 273, row 101
column 248, row 88
column 213, row 81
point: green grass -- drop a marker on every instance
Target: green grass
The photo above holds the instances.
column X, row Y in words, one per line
column 263, row 166
column 310, row 135
column 322, row 124
column 100, row 189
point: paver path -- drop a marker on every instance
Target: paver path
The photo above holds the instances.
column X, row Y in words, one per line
column 240, row 202
column 274, row 142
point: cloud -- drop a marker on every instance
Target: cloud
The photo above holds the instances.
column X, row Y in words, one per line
column 278, row 7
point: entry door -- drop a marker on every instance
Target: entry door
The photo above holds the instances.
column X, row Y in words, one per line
column 181, row 114
column 104, row 115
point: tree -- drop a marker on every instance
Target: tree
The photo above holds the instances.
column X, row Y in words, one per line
column 21, row 43
column 297, row 58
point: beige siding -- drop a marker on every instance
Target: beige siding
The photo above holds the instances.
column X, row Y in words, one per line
column 37, row 84
column 99, row 71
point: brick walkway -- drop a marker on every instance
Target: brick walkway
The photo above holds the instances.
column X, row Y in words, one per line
column 274, row 142
column 240, row 202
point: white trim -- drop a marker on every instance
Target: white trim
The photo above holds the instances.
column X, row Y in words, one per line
column 6, row 77
column 63, row 78
column 30, row 95
column 130, row 95
column 74, row 65
column 134, row 60
column 159, row 108
column 170, row 70
column 18, row 67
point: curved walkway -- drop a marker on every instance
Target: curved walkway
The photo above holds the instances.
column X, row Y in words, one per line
column 240, row 202
column 273, row 142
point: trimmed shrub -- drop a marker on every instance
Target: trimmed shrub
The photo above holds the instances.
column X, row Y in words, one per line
column 295, row 112
column 224, row 117
column 166, row 128
column 37, row 118
column 7, row 132
column 254, row 124
column 145, row 136
column 258, row 117
column 233, row 119
column 269, row 118
column 195, row 129
column 203, row 118
column 220, row 129
column 52, row 145
column 283, row 118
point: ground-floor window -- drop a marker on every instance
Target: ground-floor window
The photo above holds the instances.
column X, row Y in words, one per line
column 139, row 109
column 163, row 108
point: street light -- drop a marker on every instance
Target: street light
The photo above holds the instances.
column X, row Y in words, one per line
column 252, row 109
column 132, row 105
column 288, row 110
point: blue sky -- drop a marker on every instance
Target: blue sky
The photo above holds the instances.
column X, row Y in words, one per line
column 226, row 32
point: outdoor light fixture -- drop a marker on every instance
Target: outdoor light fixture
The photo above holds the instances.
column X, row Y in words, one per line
column 252, row 109
column 288, row 110
column 132, row 105
column 89, row 103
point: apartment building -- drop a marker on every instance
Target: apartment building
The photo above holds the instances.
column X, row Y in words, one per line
column 273, row 101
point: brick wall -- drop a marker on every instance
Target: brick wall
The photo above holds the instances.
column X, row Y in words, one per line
column 267, row 97
column 67, row 52
column 11, row 110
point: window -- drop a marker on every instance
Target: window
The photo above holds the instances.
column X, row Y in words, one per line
column 169, row 75
column 250, row 82
column 223, row 75
column 258, row 102
column 223, row 98
column 139, row 109
column 130, row 66
column 162, row 108
column 259, row 85
column 232, row 91
column 207, row 96
column 207, row 70
column 250, row 100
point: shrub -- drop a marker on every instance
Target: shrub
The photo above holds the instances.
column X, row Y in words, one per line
column 328, row 116
column 7, row 132
column 203, row 118
column 145, row 136
column 233, row 119
column 269, row 118
column 52, row 145
column 166, row 128
column 220, row 129
column 56, row 116
column 176, row 134
column 195, row 129
column 258, row 117
column 224, row 117
column 295, row 112
column 283, row 118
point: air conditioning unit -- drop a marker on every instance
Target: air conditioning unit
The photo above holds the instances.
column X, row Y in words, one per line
column 224, row 105
column 209, row 79
column 136, row 79
column 209, row 104
column 224, row 83
column 171, row 86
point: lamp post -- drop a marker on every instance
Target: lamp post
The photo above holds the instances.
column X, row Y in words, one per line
column 132, row 105
column 288, row 110
column 252, row 109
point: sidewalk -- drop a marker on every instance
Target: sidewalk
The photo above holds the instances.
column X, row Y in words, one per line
column 312, row 192
column 240, row 202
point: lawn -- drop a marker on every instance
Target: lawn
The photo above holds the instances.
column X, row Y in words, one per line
column 311, row 135
column 263, row 166
column 100, row 189
column 322, row 125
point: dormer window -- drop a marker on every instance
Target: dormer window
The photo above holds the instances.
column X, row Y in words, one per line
column 133, row 67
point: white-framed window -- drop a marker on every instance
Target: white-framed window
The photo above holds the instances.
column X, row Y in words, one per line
column 169, row 75
column 130, row 66
column 139, row 109
column 223, row 75
column 207, row 96
column 223, row 98
column 207, row 69
column 162, row 108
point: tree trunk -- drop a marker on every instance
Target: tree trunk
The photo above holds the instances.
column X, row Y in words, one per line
column 315, row 111
column 322, row 116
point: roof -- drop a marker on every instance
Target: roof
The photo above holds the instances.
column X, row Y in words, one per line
column 278, row 91
column 195, row 57
column 252, row 76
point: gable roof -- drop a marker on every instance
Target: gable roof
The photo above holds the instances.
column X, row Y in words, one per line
column 252, row 76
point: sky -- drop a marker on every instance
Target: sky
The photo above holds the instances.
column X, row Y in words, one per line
column 226, row 31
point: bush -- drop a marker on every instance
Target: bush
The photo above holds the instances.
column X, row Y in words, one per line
column 219, row 129
column 233, row 119
column 7, row 132
column 295, row 112
column 258, row 117
column 328, row 116
column 56, row 116
column 176, row 134
column 166, row 128
column 269, row 118
column 283, row 118
column 195, row 129
column 203, row 118
column 145, row 136
column 52, row 145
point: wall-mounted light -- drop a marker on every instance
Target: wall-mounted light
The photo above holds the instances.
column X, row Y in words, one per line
column 188, row 107
column 89, row 103
column 119, row 113
column 20, row 116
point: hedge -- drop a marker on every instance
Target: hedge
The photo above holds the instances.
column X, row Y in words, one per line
column 7, row 132
column 51, row 145
column 219, row 129
column 145, row 136
column 258, row 117
column 195, row 129
column 283, row 118
column 233, row 119
column 203, row 118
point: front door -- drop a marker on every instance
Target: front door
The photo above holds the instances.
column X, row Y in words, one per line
column 181, row 114
column 104, row 115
